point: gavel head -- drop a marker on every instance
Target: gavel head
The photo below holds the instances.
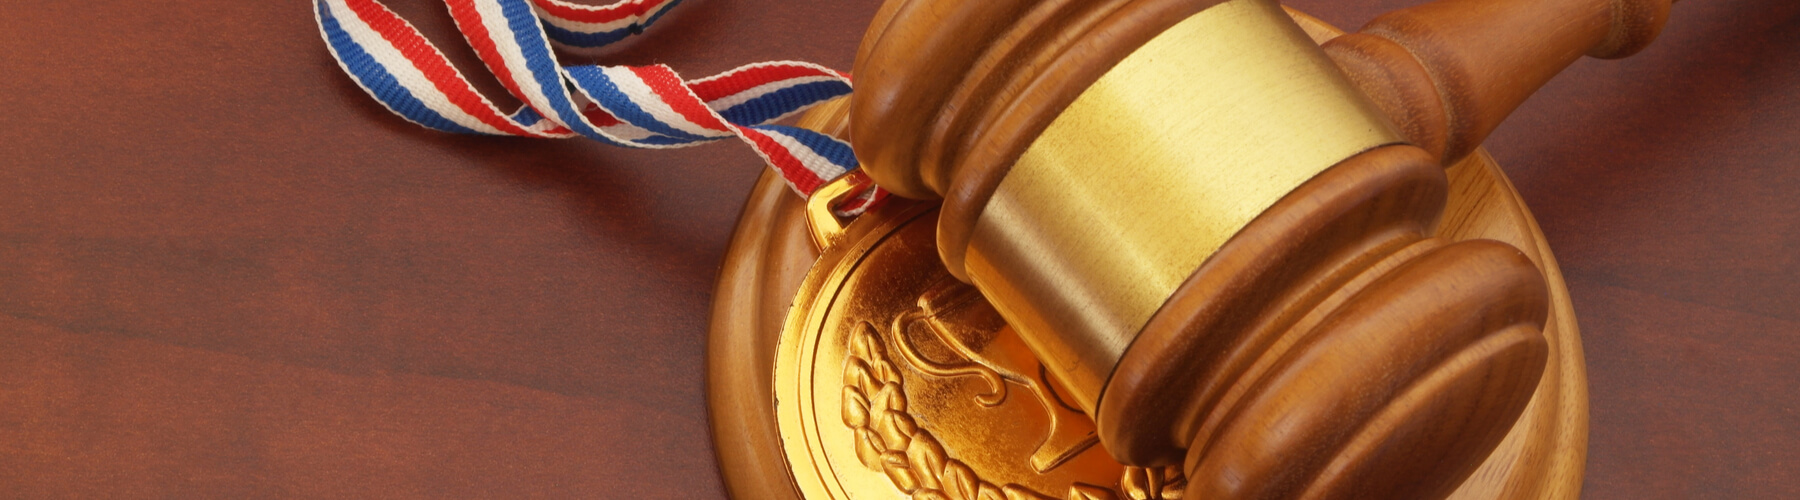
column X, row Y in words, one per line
column 1211, row 238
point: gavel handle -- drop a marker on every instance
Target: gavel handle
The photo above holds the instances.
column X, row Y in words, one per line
column 1448, row 72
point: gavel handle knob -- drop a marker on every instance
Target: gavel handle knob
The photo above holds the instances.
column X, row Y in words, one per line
column 1448, row 72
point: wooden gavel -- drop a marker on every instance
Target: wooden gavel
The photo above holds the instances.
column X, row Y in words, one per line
column 1217, row 235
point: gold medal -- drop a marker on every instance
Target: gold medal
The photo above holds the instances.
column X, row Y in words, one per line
column 892, row 375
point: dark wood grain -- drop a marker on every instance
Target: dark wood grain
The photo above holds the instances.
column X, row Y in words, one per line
column 225, row 272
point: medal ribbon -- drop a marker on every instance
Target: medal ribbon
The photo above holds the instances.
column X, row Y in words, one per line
column 629, row 106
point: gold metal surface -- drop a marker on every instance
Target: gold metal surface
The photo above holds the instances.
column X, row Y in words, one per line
column 1153, row 168
column 821, row 222
column 892, row 378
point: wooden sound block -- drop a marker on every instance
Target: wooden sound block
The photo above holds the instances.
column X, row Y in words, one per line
column 772, row 253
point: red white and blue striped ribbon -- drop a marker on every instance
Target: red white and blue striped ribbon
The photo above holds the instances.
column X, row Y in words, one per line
column 640, row 106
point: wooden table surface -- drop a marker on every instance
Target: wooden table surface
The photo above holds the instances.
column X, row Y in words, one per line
column 225, row 272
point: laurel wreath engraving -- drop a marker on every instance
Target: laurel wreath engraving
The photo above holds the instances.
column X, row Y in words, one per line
column 890, row 441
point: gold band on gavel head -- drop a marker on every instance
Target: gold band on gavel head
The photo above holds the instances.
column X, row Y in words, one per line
column 1150, row 171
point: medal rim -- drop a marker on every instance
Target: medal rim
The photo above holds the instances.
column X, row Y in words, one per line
column 795, row 412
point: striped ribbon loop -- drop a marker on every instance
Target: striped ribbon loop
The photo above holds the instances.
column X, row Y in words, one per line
column 577, row 26
column 629, row 106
